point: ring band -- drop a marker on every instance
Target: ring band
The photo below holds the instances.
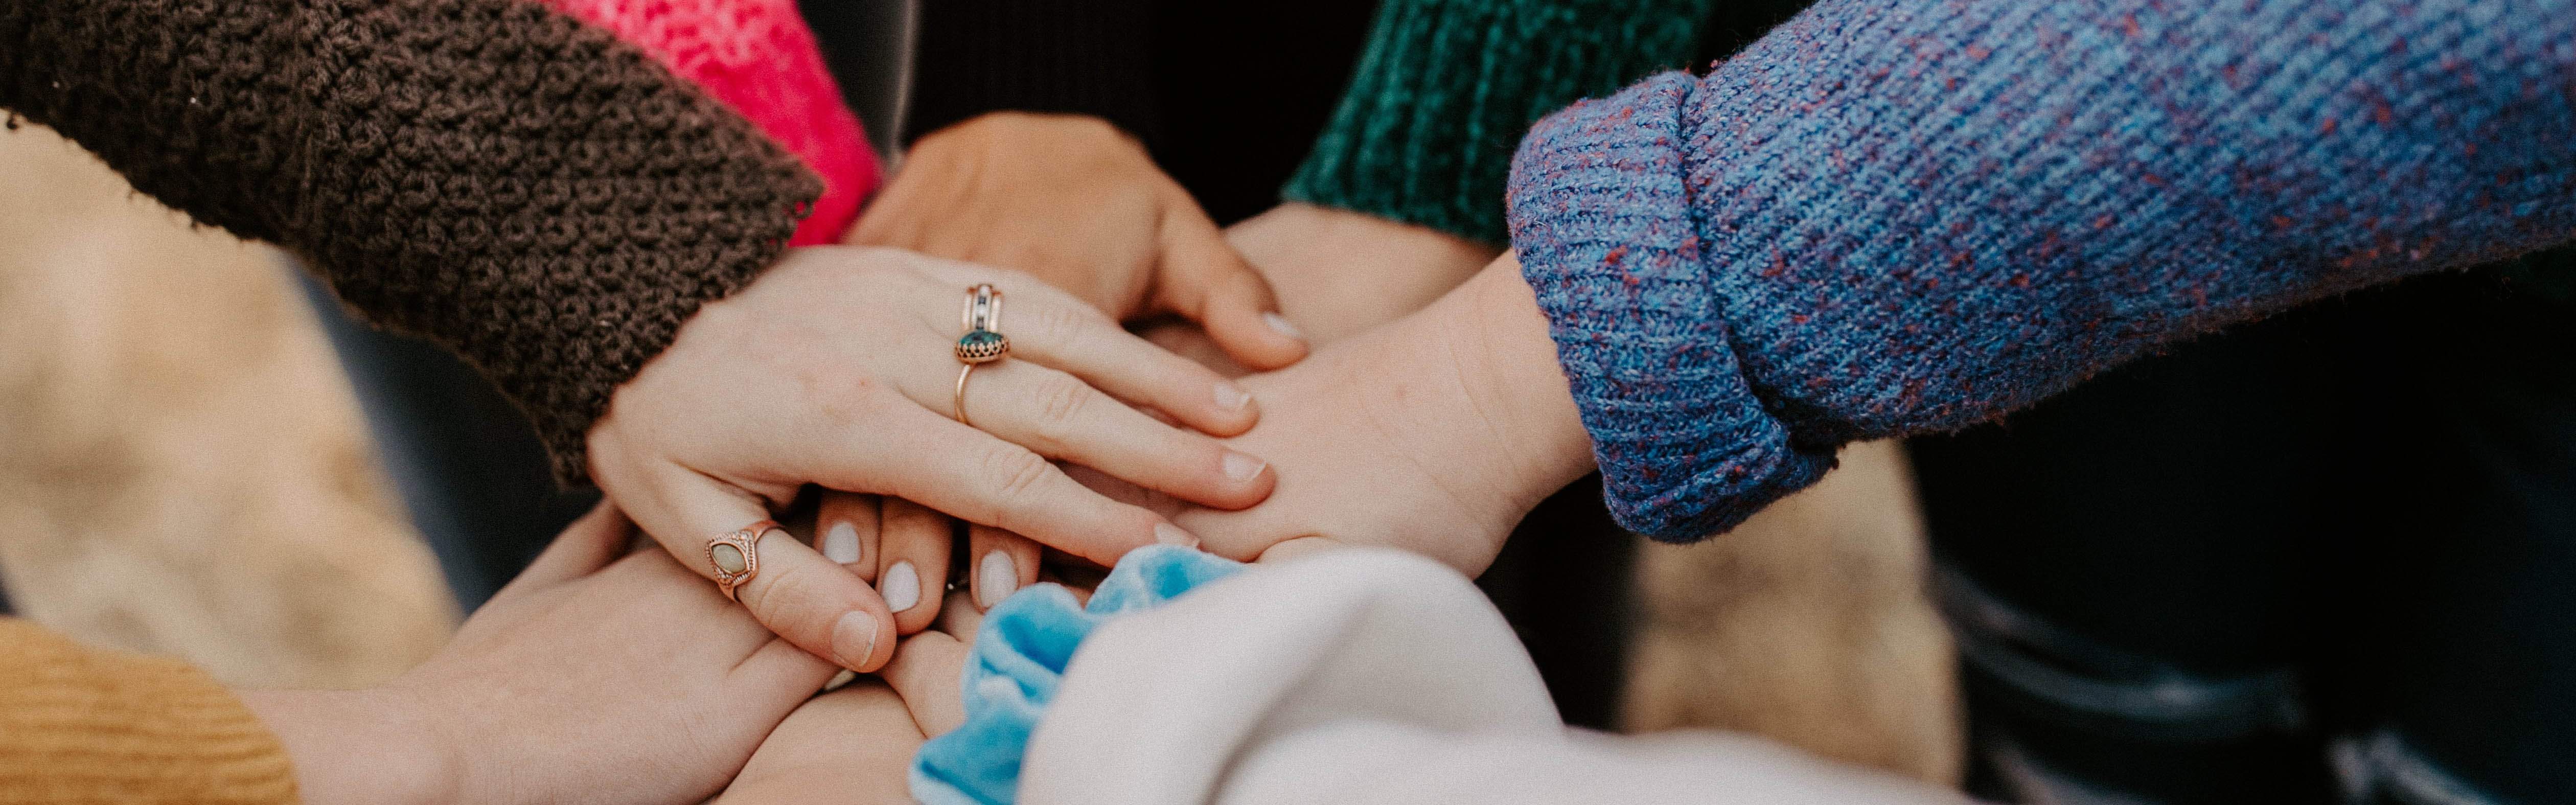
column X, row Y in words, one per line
column 736, row 556
column 983, row 341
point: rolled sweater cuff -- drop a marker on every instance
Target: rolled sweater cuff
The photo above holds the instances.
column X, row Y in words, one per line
column 86, row 725
column 1601, row 215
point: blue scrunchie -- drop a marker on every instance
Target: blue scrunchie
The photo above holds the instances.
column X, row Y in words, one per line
column 1018, row 660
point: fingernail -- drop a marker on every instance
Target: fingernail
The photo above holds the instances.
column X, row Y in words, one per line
column 995, row 579
column 1169, row 534
column 901, row 587
column 854, row 639
column 1241, row 467
column 1231, row 397
column 1281, row 324
column 841, row 543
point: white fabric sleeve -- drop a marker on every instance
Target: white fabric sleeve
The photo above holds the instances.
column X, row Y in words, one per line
column 1369, row 676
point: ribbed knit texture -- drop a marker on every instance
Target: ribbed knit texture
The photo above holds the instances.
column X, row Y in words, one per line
column 82, row 725
column 1088, row 57
column 1424, row 134
column 1895, row 217
column 757, row 57
column 491, row 175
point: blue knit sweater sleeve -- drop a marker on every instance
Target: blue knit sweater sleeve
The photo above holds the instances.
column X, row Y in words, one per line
column 1895, row 217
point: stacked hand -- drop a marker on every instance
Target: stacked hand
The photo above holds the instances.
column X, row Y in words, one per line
column 835, row 369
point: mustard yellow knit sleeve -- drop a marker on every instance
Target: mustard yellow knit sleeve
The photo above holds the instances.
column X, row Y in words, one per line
column 84, row 725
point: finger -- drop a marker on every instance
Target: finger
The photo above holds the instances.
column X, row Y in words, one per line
column 971, row 475
column 913, row 556
column 1061, row 417
column 584, row 547
column 845, row 528
column 781, row 667
column 960, row 617
column 1004, row 562
column 925, row 674
column 1204, row 280
column 818, row 605
column 798, row 594
column 1081, row 341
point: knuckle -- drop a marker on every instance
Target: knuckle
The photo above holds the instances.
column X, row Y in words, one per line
column 1060, row 401
column 1016, row 475
column 783, row 600
column 1061, row 324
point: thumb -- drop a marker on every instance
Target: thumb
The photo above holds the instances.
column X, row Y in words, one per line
column 1202, row 279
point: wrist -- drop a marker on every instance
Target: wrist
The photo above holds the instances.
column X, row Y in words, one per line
column 1341, row 272
column 361, row 746
column 1508, row 364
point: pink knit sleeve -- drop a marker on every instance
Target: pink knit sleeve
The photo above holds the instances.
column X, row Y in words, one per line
column 757, row 57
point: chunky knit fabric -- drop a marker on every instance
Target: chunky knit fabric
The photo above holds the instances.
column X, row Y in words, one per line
column 1424, row 134
column 489, row 174
column 757, row 57
column 82, row 725
column 1896, row 217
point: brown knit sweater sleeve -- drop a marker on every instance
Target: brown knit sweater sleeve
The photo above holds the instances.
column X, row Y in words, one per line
column 82, row 725
column 529, row 192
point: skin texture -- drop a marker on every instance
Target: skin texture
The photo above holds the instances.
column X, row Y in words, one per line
column 651, row 687
column 835, row 368
column 855, row 744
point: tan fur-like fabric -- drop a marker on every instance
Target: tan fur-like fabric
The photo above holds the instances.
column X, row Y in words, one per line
column 182, row 467
column 1807, row 624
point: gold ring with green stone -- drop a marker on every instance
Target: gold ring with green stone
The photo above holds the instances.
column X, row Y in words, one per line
column 983, row 341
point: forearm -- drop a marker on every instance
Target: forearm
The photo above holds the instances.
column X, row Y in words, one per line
column 1879, row 221
column 1424, row 133
column 358, row 747
column 553, row 219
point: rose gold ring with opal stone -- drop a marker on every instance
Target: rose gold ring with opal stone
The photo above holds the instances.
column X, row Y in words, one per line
column 736, row 556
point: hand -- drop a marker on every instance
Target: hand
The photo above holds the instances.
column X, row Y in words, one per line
column 852, row 745
column 589, row 678
column 1435, row 434
column 855, row 745
column 1079, row 204
column 837, row 368
column 1338, row 274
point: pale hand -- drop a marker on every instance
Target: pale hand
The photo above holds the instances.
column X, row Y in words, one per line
column 1435, row 434
column 590, row 678
column 837, row 368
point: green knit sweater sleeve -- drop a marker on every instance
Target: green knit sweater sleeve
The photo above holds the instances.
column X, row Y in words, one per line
column 1441, row 96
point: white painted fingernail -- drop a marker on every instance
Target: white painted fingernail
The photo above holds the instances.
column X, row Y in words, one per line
column 1169, row 534
column 1281, row 324
column 854, row 639
column 995, row 579
column 841, row 543
column 901, row 587
column 1231, row 397
column 1241, row 467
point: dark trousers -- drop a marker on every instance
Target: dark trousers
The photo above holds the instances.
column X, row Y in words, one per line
column 2331, row 555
